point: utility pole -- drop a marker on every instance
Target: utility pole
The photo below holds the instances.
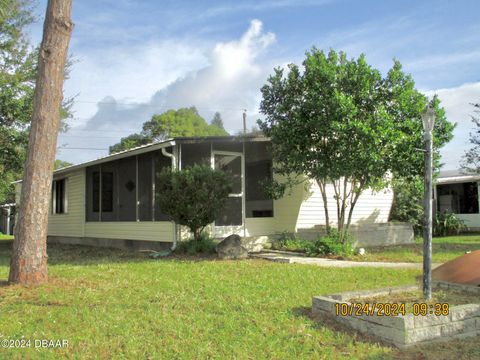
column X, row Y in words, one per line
column 28, row 264
column 244, row 122
column 428, row 119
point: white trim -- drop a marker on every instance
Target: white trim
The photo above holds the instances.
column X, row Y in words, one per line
column 54, row 197
column 137, row 202
column 153, row 186
column 64, row 199
column 65, row 194
column 458, row 179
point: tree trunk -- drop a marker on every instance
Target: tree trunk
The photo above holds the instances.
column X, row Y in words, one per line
column 29, row 258
column 322, row 186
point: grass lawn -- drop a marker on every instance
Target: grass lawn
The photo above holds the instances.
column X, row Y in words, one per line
column 5, row 237
column 114, row 304
column 443, row 249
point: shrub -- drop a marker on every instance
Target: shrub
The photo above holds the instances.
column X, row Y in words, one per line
column 291, row 242
column 326, row 245
column 204, row 245
column 447, row 224
column 331, row 245
column 194, row 196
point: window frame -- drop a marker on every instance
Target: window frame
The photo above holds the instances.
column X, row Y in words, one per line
column 64, row 198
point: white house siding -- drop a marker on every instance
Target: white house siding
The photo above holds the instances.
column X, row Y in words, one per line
column 144, row 230
column 260, row 226
column 72, row 222
column 370, row 208
column 472, row 221
column 286, row 209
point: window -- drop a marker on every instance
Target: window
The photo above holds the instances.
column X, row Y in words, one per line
column 59, row 202
column 460, row 198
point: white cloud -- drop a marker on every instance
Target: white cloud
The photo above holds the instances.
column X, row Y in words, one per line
column 169, row 75
column 456, row 102
column 130, row 73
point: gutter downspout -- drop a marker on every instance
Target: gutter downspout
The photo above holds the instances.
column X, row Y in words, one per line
column 174, row 162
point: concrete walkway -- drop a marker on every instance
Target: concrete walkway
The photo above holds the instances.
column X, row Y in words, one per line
column 293, row 258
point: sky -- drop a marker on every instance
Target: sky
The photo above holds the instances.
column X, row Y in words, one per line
column 133, row 59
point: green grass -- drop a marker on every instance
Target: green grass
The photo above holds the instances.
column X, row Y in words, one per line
column 5, row 237
column 115, row 304
column 443, row 249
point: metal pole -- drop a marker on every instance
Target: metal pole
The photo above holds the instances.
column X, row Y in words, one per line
column 427, row 229
column 244, row 122
column 8, row 221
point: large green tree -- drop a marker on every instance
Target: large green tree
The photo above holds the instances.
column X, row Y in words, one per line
column 339, row 121
column 172, row 123
column 471, row 159
column 18, row 71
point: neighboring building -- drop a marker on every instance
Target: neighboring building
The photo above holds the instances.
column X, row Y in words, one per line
column 458, row 193
column 111, row 199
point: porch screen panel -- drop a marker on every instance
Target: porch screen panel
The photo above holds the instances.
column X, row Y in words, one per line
column 93, row 193
column 231, row 165
column 459, row 198
column 127, row 189
column 161, row 162
column 231, row 214
column 108, row 195
column 258, row 170
column 235, row 146
column 145, row 198
column 193, row 154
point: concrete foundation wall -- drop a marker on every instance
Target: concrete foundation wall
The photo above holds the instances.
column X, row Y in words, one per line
column 123, row 244
column 367, row 235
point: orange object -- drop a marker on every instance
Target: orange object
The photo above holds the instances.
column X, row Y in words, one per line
column 462, row 270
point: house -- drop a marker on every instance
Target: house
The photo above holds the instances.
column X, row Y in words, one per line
column 7, row 218
column 110, row 201
column 457, row 193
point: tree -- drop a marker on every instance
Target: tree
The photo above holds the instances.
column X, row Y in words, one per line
column 29, row 256
column 340, row 122
column 18, row 71
column 129, row 142
column 471, row 159
column 60, row 164
column 217, row 121
column 193, row 196
column 172, row 123
column 407, row 203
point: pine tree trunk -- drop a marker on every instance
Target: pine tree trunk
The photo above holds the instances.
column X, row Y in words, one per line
column 29, row 258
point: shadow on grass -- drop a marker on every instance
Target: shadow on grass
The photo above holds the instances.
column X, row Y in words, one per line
column 60, row 254
column 321, row 323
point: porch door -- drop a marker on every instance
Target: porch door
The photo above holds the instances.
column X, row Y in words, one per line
column 231, row 219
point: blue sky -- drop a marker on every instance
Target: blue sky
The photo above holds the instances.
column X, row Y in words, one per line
column 137, row 58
